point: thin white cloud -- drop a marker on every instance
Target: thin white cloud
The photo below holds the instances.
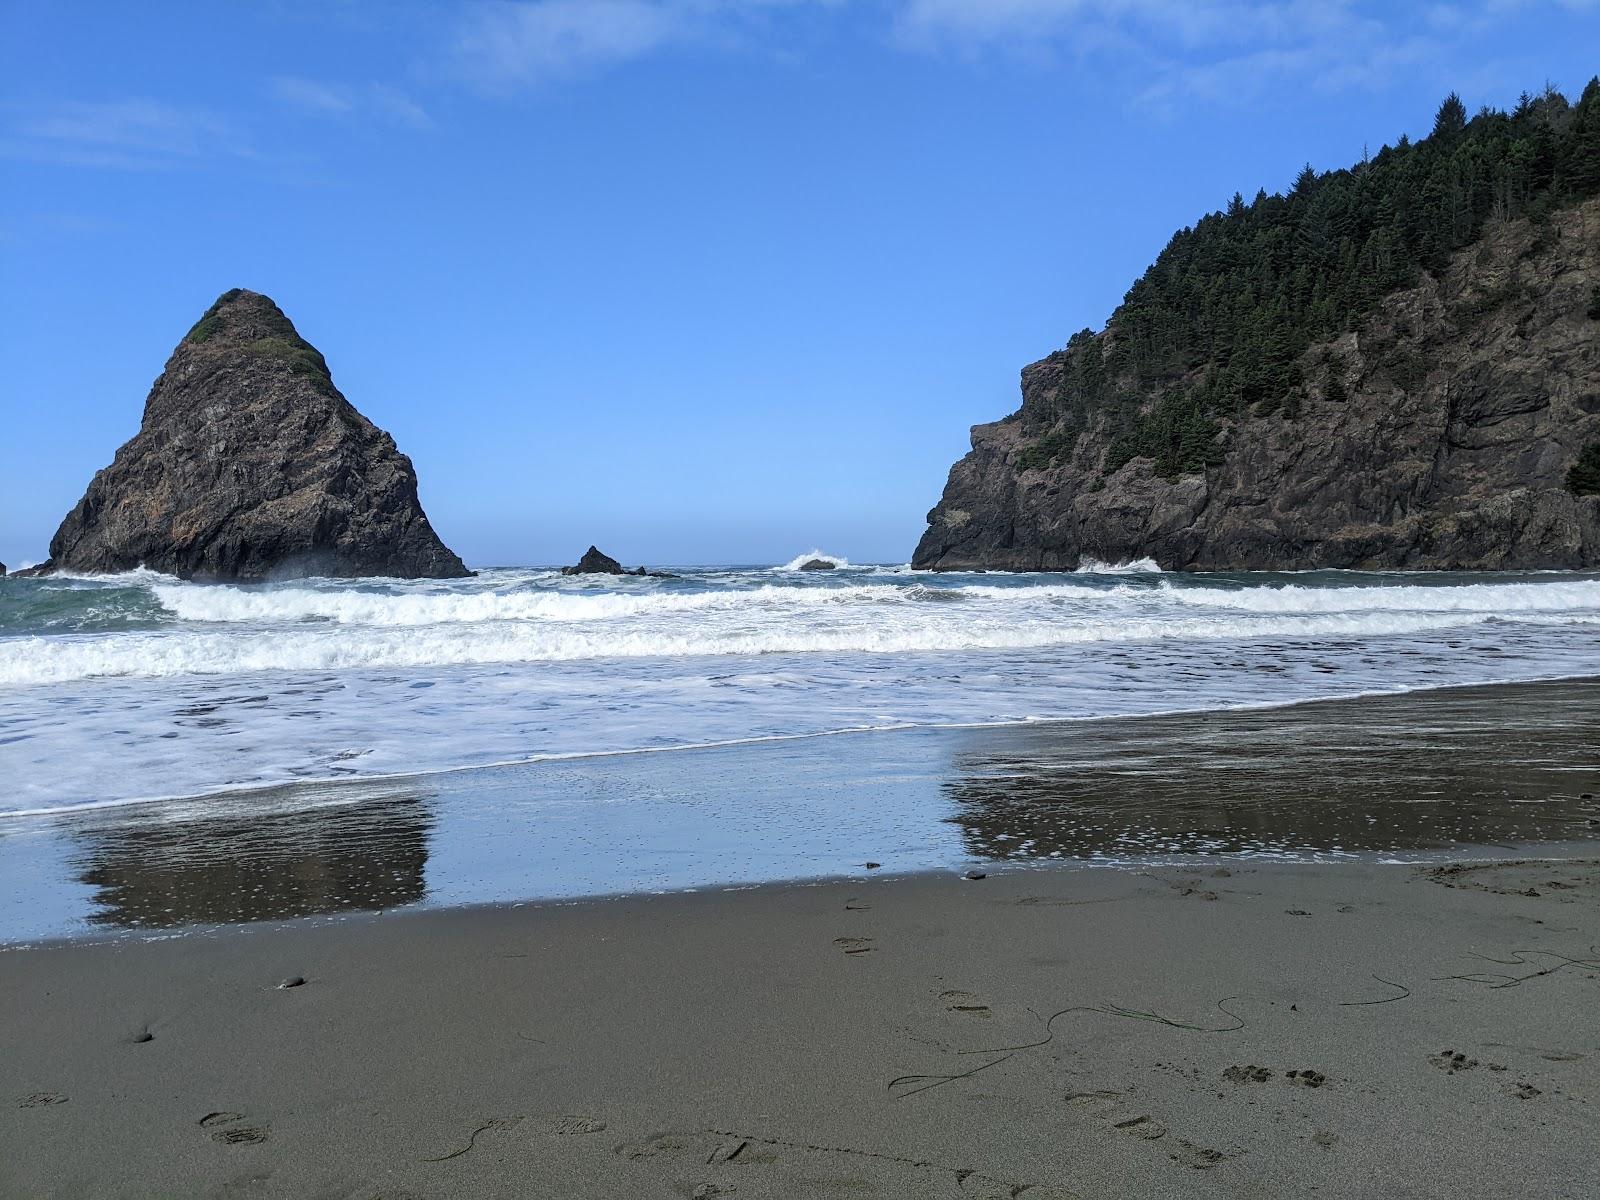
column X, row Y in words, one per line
column 1172, row 51
column 509, row 45
column 133, row 134
column 350, row 100
column 519, row 43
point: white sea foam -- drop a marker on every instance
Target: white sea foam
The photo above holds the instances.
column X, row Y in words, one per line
column 164, row 653
column 144, row 686
column 1507, row 599
column 798, row 560
column 1139, row 566
column 1023, row 602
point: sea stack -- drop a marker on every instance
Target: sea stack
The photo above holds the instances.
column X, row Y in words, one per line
column 595, row 561
column 250, row 464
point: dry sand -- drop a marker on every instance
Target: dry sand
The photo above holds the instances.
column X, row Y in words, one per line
column 1221, row 1030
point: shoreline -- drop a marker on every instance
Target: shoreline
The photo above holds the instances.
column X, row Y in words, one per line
column 1431, row 775
column 888, row 1037
column 1042, row 723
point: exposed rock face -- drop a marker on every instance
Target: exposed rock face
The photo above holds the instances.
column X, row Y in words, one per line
column 1460, row 463
column 249, row 464
column 818, row 564
column 594, row 562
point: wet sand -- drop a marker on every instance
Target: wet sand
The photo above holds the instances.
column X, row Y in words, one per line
column 1454, row 772
column 1219, row 1029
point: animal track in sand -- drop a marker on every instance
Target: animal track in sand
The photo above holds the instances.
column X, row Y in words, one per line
column 1305, row 1078
column 1247, row 1074
column 41, row 1100
column 957, row 1001
column 1522, row 1091
column 854, row 945
column 1449, row 1061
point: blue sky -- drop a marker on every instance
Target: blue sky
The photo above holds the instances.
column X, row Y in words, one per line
column 697, row 280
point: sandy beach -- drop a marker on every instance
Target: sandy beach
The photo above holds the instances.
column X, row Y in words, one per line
column 1223, row 1029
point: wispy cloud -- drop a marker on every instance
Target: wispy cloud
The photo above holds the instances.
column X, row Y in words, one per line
column 517, row 43
column 350, row 100
column 1158, row 53
column 511, row 45
column 1169, row 52
column 132, row 134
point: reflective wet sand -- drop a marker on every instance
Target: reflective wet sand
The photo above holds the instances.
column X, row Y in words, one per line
column 1426, row 775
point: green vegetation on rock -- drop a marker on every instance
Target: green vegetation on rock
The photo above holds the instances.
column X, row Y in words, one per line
column 211, row 320
column 1216, row 328
column 1584, row 478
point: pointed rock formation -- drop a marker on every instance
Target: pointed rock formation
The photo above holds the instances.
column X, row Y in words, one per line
column 249, row 464
column 595, row 562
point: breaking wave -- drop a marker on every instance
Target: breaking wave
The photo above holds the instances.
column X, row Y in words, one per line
column 1139, row 566
column 141, row 685
column 796, row 562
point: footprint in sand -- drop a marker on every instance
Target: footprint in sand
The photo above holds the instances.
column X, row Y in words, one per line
column 568, row 1125
column 705, row 1148
column 854, row 945
column 985, row 1187
column 1247, row 1074
column 957, row 1001
column 1141, row 1127
column 227, row 1132
column 1305, row 1078
column 242, row 1135
column 41, row 1100
column 1449, row 1061
column 1200, row 1158
column 1104, row 1106
column 1098, row 1103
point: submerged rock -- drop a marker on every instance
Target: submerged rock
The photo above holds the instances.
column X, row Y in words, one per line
column 595, row 562
column 818, row 564
column 250, row 464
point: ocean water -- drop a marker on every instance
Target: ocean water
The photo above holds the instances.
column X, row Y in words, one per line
column 120, row 690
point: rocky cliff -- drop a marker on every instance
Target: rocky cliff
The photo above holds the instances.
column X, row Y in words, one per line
column 1391, row 365
column 1442, row 433
column 249, row 464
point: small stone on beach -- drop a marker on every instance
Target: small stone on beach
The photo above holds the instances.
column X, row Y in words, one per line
column 872, row 866
column 292, row 982
column 977, row 875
